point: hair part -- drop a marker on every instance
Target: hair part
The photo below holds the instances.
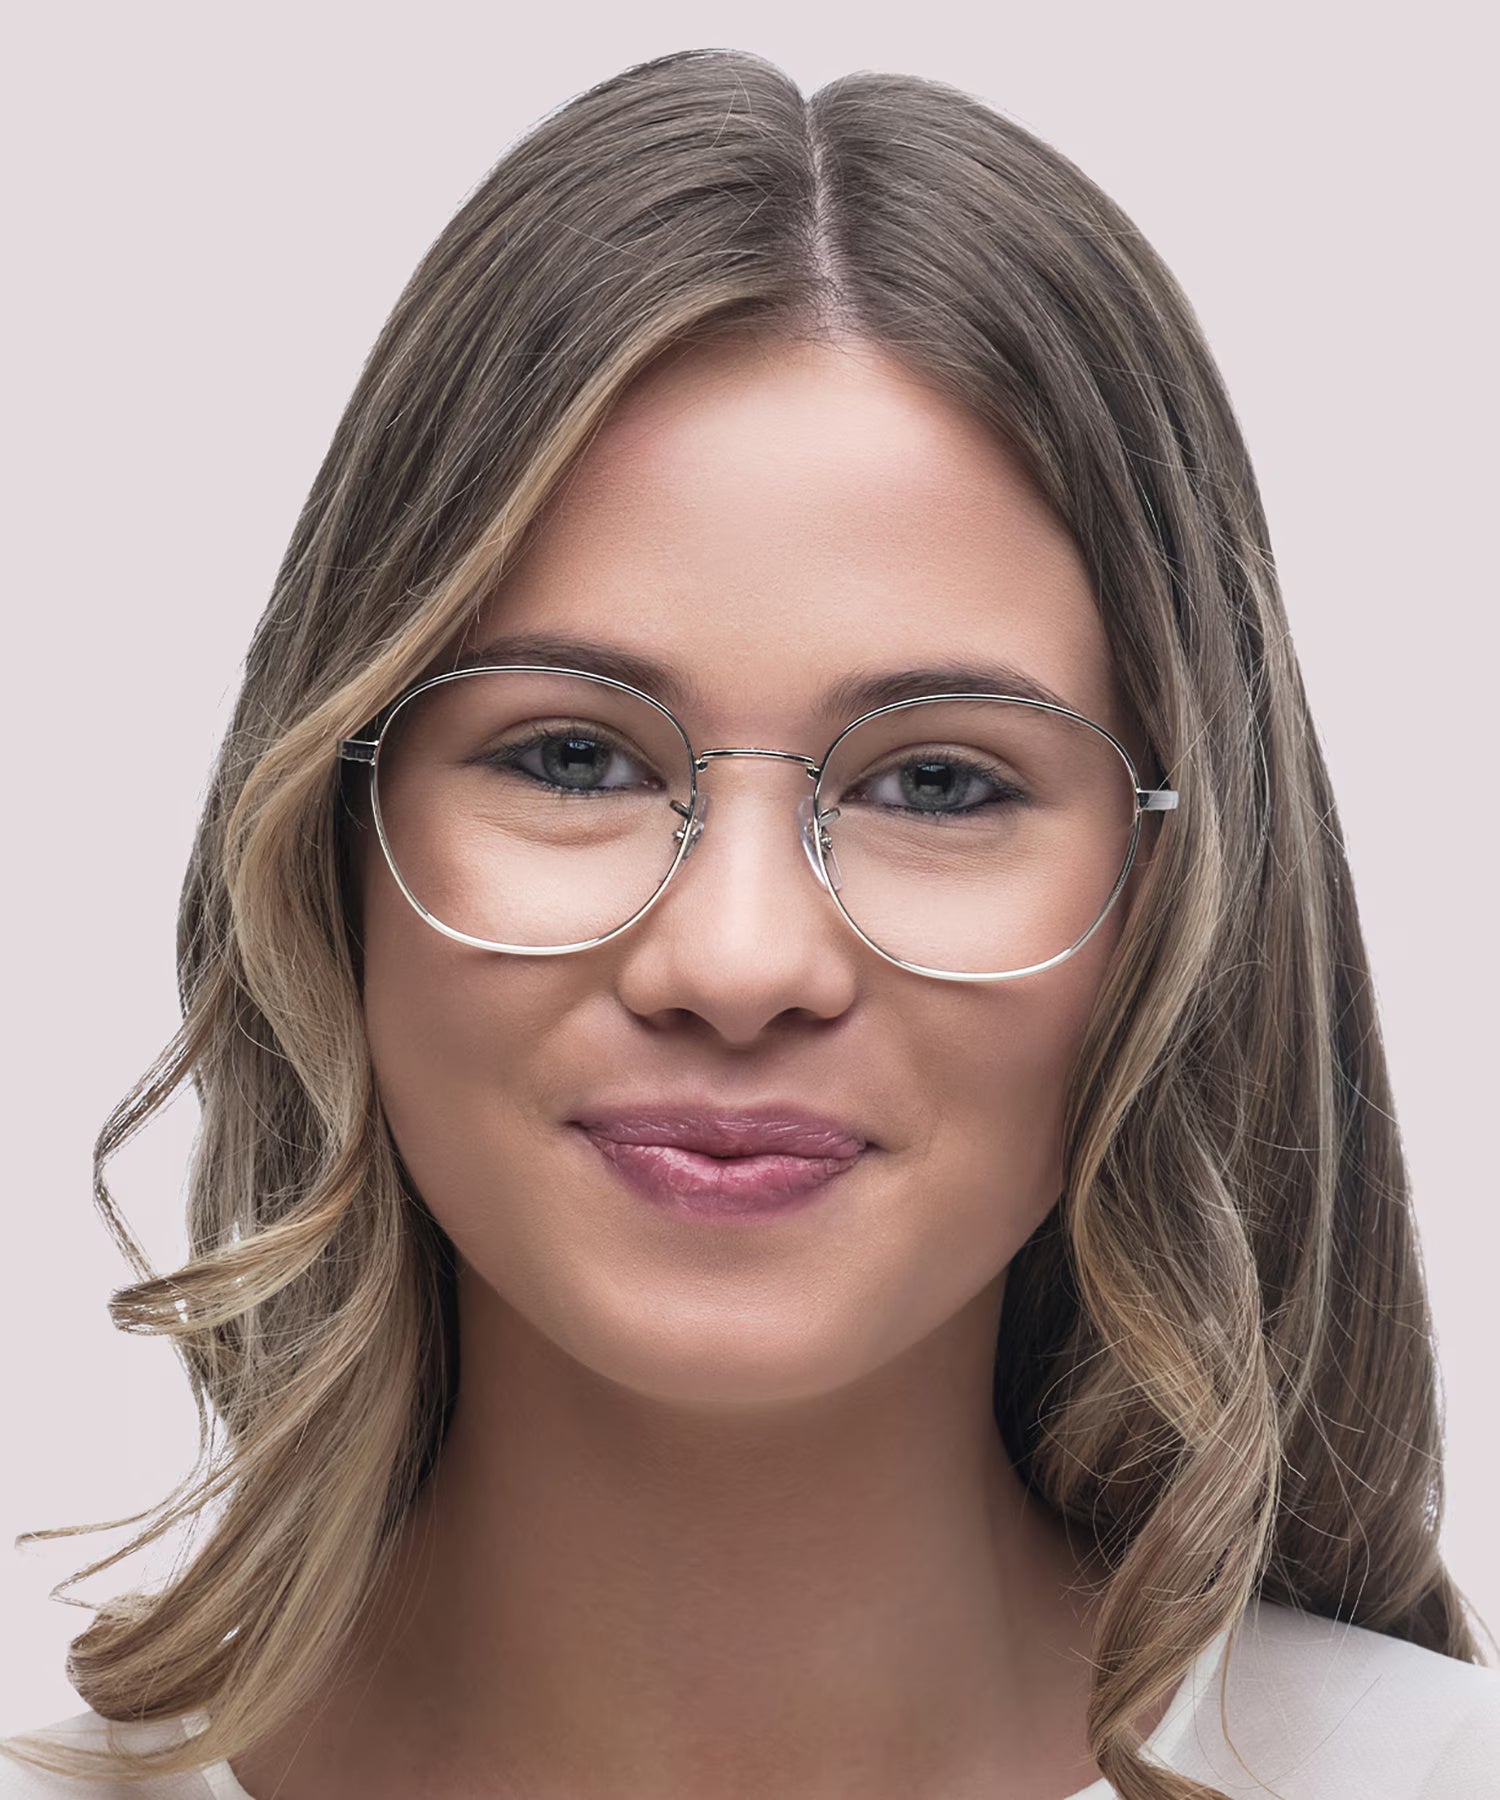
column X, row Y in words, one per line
column 1215, row 1360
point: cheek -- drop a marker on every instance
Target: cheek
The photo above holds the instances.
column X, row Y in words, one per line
column 452, row 1032
column 1000, row 1064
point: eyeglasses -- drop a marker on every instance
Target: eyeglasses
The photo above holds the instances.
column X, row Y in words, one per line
column 540, row 811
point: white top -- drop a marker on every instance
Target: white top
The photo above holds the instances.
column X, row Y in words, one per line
column 1316, row 1709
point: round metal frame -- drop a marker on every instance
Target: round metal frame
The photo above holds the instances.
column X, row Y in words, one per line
column 815, row 839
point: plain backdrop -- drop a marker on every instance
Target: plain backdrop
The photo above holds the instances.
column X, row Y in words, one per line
column 213, row 209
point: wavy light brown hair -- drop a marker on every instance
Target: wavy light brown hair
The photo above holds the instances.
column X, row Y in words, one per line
column 1215, row 1359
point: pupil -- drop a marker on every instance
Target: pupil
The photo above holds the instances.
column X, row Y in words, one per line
column 931, row 786
column 572, row 756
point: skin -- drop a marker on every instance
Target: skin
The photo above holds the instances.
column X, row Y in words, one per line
column 727, row 1515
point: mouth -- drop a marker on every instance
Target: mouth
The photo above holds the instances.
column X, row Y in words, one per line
column 705, row 1185
column 780, row 1128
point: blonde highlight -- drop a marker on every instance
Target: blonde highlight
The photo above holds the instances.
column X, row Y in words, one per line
column 1215, row 1359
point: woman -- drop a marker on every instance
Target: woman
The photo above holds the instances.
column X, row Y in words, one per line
column 932, row 1278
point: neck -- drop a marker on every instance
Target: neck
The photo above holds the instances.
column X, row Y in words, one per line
column 600, row 1591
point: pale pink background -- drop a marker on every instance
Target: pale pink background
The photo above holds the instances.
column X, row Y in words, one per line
column 218, row 206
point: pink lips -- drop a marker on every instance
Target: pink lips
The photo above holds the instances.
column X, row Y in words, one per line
column 725, row 1165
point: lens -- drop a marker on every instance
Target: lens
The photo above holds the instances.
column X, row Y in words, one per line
column 529, row 809
column 975, row 837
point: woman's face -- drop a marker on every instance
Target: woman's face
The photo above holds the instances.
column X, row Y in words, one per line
column 764, row 519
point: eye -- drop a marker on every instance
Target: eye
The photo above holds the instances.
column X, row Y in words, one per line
column 573, row 758
column 931, row 785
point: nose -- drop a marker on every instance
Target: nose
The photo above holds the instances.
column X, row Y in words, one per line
column 738, row 939
column 811, row 827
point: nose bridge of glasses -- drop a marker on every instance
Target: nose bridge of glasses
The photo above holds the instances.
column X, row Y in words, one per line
column 785, row 755
column 694, row 821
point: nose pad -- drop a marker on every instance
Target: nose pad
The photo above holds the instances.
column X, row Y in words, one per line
column 809, row 824
column 694, row 830
column 694, row 826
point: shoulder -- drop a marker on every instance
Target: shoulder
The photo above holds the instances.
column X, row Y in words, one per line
column 1314, row 1707
column 88, row 1730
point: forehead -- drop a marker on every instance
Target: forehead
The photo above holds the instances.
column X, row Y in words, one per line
column 774, row 530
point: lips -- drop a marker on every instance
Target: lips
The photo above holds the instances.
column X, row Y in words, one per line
column 778, row 1129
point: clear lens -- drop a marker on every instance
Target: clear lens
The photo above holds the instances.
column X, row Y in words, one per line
column 976, row 837
column 531, row 810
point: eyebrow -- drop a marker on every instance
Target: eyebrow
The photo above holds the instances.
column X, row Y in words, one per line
column 849, row 695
